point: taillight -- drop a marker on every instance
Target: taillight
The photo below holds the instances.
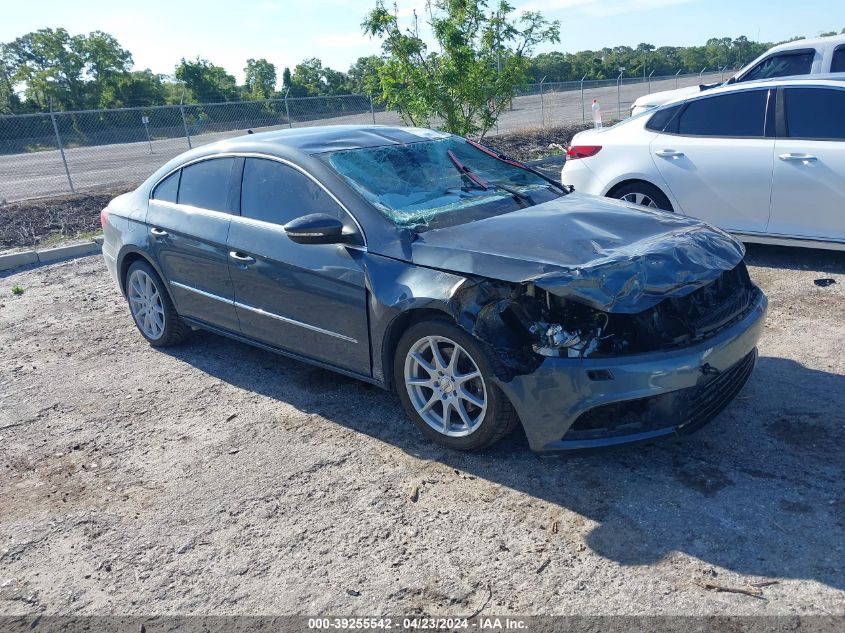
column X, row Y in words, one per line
column 582, row 151
column 104, row 217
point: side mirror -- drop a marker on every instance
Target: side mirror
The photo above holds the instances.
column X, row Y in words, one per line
column 316, row 228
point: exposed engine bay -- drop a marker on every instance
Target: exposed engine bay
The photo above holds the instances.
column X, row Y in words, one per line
column 530, row 323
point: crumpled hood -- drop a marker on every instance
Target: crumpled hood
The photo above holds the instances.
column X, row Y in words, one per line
column 607, row 254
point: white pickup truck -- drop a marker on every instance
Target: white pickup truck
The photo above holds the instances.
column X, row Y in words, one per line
column 801, row 57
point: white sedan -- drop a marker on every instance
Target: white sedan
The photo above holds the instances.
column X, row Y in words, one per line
column 763, row 160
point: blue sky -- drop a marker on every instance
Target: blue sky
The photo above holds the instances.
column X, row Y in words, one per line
column 160, row 32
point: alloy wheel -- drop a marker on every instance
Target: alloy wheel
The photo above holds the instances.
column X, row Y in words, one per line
column 445, row 386
column 640, row 198
column 146, row 305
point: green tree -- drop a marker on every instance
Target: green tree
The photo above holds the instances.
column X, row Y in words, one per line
column 9, row 101
column 311, row 78
column 718, row 51
column 362, row 77
column 482, row 61
column 205, row 82
column 71, row 71
column 260, row 79
column 106, row 64
column 139, row 88
column 174, row 90
column 51, row 63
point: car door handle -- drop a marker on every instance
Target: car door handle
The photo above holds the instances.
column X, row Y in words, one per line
column 241, row 258
column 158, row 232
column 798, row 158
column 669, row 153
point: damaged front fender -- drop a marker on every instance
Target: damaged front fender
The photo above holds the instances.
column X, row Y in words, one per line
column 479, row 306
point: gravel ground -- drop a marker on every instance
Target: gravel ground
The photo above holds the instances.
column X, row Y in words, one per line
column 215, row 478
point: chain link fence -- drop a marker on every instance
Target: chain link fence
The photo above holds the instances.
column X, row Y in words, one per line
column 60, row 152
column 548, row 104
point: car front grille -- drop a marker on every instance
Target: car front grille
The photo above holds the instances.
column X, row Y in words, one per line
column 707, row 401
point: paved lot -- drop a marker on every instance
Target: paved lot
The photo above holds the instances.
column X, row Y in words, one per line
column 40, row 174
column 217, row 478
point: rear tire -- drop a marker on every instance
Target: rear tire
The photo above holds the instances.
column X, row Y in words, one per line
column 152, row 310
column 451, row 399
column 644, row 194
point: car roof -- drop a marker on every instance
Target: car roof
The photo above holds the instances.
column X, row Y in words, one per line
column 319, row 140
column 300, row 145
column 828, row 79
column 816, row 42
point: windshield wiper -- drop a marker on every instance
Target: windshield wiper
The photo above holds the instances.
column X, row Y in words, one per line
column 515, row 163
column 466, row 171
column 518, row 195
column 483, row 184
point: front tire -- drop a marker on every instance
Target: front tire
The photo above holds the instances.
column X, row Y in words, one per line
column 643, row 194
column 443, row 378
column 152, row 310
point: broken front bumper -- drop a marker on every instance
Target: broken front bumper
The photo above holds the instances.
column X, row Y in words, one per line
column 572, row 404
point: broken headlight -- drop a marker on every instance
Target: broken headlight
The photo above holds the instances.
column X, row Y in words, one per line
column 553, row 340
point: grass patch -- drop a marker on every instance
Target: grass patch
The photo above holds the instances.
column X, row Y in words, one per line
column 54, row 239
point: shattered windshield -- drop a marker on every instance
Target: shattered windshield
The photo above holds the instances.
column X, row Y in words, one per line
column 439, row 181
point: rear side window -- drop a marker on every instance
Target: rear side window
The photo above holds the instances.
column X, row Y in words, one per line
column 277, row 193
column 837, row 64
column 206, row 184
column 662, row 118
column 168, row 188
column 815, row 113
column 729, row 115
column 782, row 65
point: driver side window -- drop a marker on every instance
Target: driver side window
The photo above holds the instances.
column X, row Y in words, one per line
column 782, row 65
column 277, row 193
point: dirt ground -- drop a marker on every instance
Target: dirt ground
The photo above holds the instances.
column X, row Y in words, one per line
column 534, row 143
column 215, row 478
column 34, row 223
column 61, row 219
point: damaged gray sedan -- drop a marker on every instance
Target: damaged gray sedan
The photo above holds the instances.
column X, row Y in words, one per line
column 485, row 294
